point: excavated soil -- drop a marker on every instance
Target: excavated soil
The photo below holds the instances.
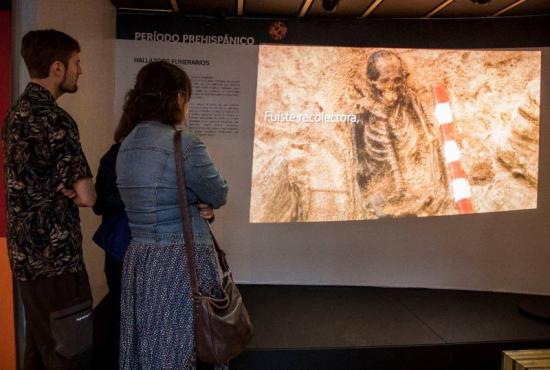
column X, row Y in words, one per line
column 307, row 171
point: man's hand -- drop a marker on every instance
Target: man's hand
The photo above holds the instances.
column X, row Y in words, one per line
column 206, row 211
column 69, row 193
column 82, row 193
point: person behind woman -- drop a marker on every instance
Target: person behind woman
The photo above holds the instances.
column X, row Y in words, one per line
column 113, row 235
column 157, row 326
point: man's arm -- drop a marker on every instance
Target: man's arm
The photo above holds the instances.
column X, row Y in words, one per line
column 83, row 192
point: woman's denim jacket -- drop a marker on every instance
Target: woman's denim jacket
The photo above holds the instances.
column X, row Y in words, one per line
column 146, row 178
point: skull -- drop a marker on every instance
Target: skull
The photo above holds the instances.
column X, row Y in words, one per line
column 387, row 76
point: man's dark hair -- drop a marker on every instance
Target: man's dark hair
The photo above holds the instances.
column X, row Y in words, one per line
column 41, row 48
column 154, row 97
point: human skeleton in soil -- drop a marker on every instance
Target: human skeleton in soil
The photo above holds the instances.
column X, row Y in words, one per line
column 400, row 167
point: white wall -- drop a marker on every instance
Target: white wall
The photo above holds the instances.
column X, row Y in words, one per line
column 92, row 23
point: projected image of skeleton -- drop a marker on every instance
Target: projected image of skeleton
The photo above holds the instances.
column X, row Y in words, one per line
column 351, row 133
column 400, row 165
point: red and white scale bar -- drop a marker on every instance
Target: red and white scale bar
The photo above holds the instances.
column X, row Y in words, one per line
column 459, row 181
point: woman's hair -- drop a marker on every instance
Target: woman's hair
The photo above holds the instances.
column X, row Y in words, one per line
column 154, row 97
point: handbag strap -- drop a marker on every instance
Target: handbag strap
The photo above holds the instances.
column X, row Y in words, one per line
column 186, row 221
column 221, row 254
column 187, row 235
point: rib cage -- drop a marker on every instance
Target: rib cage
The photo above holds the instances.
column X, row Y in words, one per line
column 385, row 143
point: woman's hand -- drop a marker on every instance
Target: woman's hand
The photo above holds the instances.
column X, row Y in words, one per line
column 206, row 211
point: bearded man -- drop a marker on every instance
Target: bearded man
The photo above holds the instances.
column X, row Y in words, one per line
column 47, row 178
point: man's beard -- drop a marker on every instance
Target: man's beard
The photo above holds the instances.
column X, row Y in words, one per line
column 64, row 88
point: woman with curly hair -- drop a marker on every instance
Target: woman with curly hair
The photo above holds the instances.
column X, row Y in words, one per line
column 157, row 326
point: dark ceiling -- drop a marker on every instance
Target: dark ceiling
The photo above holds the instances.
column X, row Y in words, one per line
column 344, row 8
column 5, row 4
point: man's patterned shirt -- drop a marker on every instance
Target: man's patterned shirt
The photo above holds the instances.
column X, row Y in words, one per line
column 41, row 151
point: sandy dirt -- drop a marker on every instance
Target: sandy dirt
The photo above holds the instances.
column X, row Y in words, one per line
column 307, row 171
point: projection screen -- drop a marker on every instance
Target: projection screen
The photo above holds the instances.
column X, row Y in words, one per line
column 370, row 163
column 361, row 133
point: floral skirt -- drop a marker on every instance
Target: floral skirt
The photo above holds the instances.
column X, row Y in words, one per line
column 157, row 327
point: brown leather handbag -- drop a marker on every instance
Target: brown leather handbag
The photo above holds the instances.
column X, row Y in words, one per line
column 222, row 325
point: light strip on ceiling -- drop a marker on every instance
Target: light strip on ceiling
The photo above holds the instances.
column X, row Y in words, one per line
column 175, row 5
column 371, row 8
column 240, row 7
column 511, row 6
column 305, row 8
column 146, row 10
column 439, row 8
